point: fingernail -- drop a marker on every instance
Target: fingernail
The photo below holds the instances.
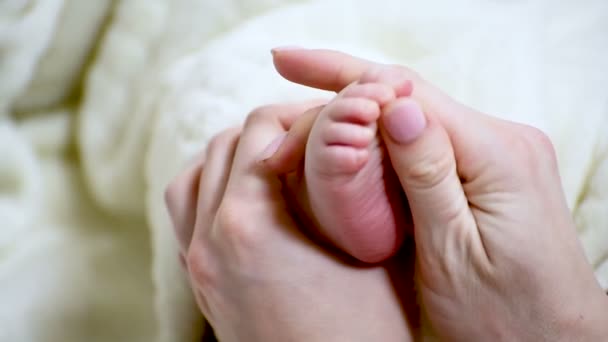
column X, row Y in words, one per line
column 272, row 148
column 404, row 121
column 285, row 48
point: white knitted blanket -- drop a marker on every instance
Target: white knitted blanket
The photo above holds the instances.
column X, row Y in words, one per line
column 103, row 102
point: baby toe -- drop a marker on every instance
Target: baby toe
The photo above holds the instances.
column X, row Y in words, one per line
column 348, row 134
column 355, row 110
column 377, row 92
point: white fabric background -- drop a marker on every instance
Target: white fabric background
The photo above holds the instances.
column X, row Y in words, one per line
column 103, row 102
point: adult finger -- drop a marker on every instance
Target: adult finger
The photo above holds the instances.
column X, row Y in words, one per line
column 328, row 69
column 220, row 153
column 289, row 150
column 332, row 70
column 294, row 111
column 181, row 197
column 322, row 69
column 297, row 119
column 252, row 186
column 421, row 153
column 286, row 152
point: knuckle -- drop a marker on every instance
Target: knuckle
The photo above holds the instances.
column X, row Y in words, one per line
column 171, row 193
column 199, row 268
column 223, row 139
column 236, row 229
column 431, row 170
column 227, row 217
column 540, row 141
column 176, row 192
column 530, row 155
column 260, row 114
column 520, row 150
column 534, row 148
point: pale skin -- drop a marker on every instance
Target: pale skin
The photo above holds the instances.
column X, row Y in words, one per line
column 347, row 189
column 270, row 282
column 496, row 250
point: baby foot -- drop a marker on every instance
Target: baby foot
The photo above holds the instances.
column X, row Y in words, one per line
column 350, row 188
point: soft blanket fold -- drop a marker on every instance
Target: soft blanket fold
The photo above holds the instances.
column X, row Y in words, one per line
column 165, row 76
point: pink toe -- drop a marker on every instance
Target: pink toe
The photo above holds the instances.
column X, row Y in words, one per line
column 354, row 110
column 337, row 160
column 348, row 134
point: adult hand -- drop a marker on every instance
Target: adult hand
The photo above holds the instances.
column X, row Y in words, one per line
column 497, row 252
column 255, row 275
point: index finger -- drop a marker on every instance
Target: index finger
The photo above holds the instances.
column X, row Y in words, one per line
column 322, row 69
column 262, row 126
column 290, row 153
column 328, row 69
column 469, row 130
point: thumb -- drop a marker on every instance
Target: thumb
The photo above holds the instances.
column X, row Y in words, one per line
column 423, row 158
